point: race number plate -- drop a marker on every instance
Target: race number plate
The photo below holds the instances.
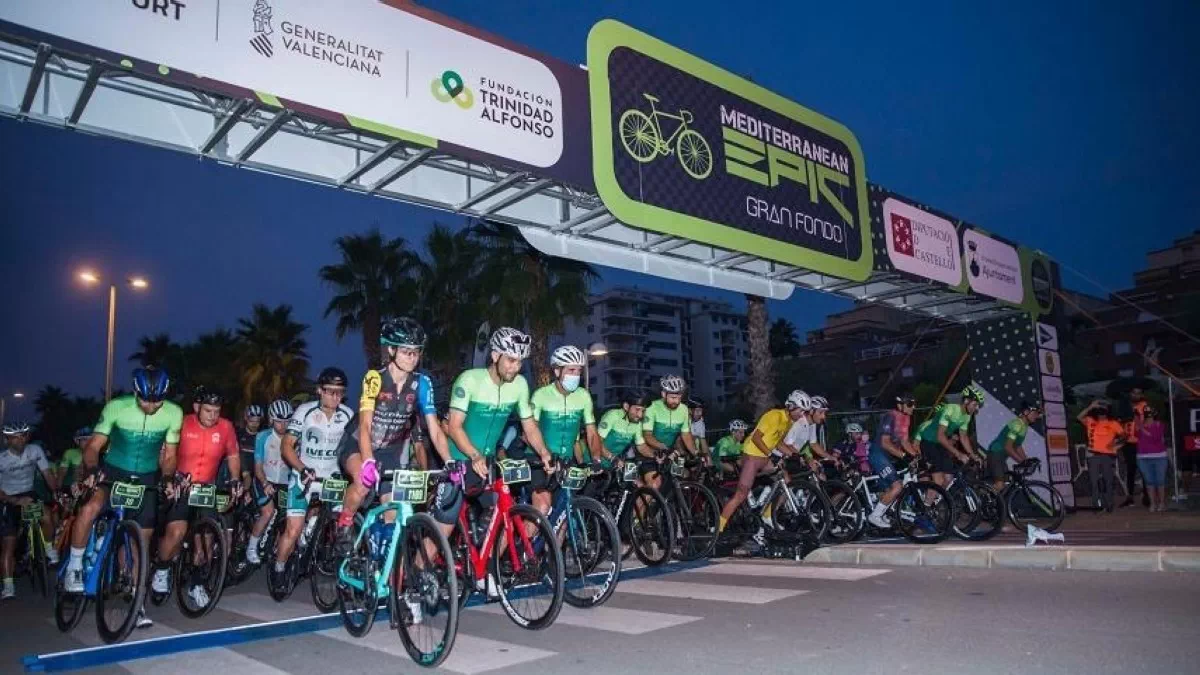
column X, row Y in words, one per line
column 631, row 472
column 576, row 477
column 281, row 497
column 411, row 487
column 126, row 496
column 222, row 502
column 31, row 513
column 333, row 490
column 202, row 496
column 515, row 471
column 677, row 466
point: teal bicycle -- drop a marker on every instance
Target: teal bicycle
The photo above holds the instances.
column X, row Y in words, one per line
column 401, row 558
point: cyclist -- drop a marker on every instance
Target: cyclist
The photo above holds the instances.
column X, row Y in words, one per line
column 310, row 450
column 396, row 400
column 666, row 421
column 726, row 452
column 951, row 422
column 1010, row 442
column 270, row 472
column 756, row 450
column 699, row 431
column 804, row 434
column 891, row 442
column 142, row 433
column 560, row 409
column 855, row 447
column 71, row 459
column 247, row 438
column 620, row 429
column 205, row 441
column 18, row 466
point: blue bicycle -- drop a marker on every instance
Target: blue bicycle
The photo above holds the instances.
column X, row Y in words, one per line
column 115, row 565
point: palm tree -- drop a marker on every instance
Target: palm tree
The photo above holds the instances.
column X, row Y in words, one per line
column 272, row 354
column 782, row 339
column 53, row 407
column 209, row 360
column 522, row 286
column 449, row 304
column 154, row 350
column 374, row 273
column 761, row 377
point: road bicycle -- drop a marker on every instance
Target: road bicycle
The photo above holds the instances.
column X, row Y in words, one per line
column 694, row 508
column 512, row 553
column 402, row 557
column 644, row 519
column 315, row 554
column 787, row 507
column 115, row 564
column 31, row 556
column 923, row 512
column 978, row 508
column 643, row 138
column 203, row 554
column 1032, row 502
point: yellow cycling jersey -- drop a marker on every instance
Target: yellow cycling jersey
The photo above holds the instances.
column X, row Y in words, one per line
column 773, row 425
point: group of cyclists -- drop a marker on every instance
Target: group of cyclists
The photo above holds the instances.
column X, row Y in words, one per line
column 144, row 439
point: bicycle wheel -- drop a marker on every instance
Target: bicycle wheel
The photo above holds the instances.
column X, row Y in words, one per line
column 425, row 604
column 650, row 528
column 694, row 154
column 280, row 584
column 39, row 565
column 848, row 515
column 591, row 554
column 1038, row 504
column 638, row 135
column 811, row 516
column 68, row 608
column 122, row 588
column 697, row 517
column 923, row 522
column 358, row 601
column 323, row 580
column 202, row 565
column 991, row 513
column 533, row 595
column 966, row 509
column 239, row 568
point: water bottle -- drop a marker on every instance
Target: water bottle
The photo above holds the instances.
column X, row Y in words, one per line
column 308, row 531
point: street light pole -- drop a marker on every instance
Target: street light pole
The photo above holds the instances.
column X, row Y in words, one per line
column 112, row 332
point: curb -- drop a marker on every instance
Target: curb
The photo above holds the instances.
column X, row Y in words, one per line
column 1057, row 558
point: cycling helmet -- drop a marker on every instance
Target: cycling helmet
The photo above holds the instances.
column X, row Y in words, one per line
column 16, row 428
column 695, row 402
column 280, row 410
column 510, row 342
column 254, row 411
column 332, row 376
column 854, row 428
column 83, row 432
column 633, row 397
column 210, row 397
column 199, row 393
column 798, row 399
column 1027, row 407
column 738, row 425
column 819, row 403
column 672, row 384
column 568, row 355
column 151, row 384
column 973, row 393
column 905, row 399
column 402, row 332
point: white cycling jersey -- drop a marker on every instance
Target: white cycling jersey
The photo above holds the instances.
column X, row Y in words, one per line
column 267, row 453
column 17, row 470
column 801, row 434
column 318, row 436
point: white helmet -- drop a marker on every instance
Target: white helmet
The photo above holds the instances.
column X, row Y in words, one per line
column 798, row 399
column 510, row 342
column 819, row 403
column 672, row 384
column 568, row 355
column 854, row 428
column 280, row 410
column 738, row 425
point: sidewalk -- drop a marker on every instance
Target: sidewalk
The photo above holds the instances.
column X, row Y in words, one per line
column 1129, row 540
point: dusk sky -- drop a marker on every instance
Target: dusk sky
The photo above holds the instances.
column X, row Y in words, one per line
column 1067, row 126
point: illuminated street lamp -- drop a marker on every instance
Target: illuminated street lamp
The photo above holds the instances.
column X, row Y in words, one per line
column 597, row 350
column 3, row 401
column 91, row 278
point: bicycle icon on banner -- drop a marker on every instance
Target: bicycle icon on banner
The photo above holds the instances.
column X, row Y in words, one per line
column 642, row 137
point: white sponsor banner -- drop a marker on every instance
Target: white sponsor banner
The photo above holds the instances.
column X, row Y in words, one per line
column 1060, row 468
column 921, row 243
column 1049, row 362
column 360, row 58
column 1047, row 336
column 993, row 267
column 1056, row 415
column 1052, row 388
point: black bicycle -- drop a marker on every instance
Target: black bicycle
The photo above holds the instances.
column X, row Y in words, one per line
column 644, row 518
column 198, row 571
column 696, row 512
column 1032, row 502
column 315, row 554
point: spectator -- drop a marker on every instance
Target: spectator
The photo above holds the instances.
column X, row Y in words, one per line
column 1152, row 457
column 1104, row 437
column 1131, row 416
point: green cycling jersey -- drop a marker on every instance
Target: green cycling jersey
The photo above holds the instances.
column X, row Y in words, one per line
column 135, row 438
column 618, row 432
column 666, row 424
column 71, row 459
column 487, row 406
column 951, row 416
column 1013, row 431
column 727, row 447
column 560, row 417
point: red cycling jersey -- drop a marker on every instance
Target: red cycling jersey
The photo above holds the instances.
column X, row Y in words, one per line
column 201, row 448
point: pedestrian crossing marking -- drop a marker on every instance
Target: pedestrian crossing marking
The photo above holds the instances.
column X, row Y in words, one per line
column 720, row 593
column 611, row 619
column 790, row 571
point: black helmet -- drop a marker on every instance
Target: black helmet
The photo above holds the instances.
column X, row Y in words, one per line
column 402, row 331
column 209, row 397
column 1027, row 407
column 332, row 376
column 633, row 397
column 151, row 384
column 905, row 398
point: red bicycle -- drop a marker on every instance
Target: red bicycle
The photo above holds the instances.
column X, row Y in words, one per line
column 526, row 565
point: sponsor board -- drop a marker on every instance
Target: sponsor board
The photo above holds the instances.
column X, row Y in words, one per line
column 1047, row 336
column 1056, row 415
column 920, row 243
column 1049, row 362
column 1191, row 443
column 1052, row 388
column 993, row 267
column 1058, row 442
column 683, row 147
column 1060, row 468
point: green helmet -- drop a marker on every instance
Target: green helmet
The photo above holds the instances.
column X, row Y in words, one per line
column 973, row 393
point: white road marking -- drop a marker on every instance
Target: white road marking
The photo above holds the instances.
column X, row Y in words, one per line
column 720, row 593
column 791, row 571
column 611, row 619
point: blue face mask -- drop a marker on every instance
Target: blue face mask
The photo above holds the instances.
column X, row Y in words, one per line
column 570, row 382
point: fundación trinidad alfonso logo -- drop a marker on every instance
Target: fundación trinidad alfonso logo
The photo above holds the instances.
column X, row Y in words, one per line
column 450, row 87
column 262, row 29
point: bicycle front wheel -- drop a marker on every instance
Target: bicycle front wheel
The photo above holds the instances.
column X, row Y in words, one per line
column 651, row 531
column 1038, row 504
column 239, row 568
column 427, row 597
column 697, row 517
column 848, row 516
column 529, row 572
column 638, row 135
column 991, row 513
column 591, row 554
column 39, row 565
column 323, row 580
column 202, row 567
column 924, row 512
column 967, row 513
column 811, row 515
column 358, row 597
column 122, row 586
column 694, row 154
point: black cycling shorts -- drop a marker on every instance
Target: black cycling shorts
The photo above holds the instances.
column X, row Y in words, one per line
column 179, row 510
column 147, row 516
column 939, row 458
column 10, row 516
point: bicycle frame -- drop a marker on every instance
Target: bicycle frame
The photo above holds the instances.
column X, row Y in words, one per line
column 477, row 557
column 383, row 578
column 683, row 120
column 96, row 550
